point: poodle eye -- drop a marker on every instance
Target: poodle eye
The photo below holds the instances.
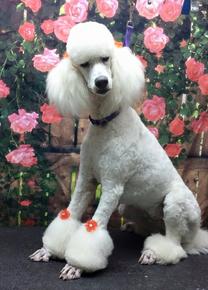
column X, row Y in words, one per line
column 105, row 59
column 85, row 64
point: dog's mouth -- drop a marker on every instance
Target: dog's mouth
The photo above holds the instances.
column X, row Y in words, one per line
column 99, row 92
column 102, row 91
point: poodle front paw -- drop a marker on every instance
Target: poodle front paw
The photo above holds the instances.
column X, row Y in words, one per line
column 59, row 232
column 70, row 273
column 148, row 257
column 89, row 248
column 40, row 255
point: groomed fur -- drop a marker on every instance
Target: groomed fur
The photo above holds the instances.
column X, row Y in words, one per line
column 66, row 87
column 164, row 249
column 199, row 245
column 89, row 250
column 128, row 77
column 58, row 234
column 94, row 39
column 124, row 156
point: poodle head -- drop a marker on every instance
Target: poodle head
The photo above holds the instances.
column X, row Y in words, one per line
column 91, row 48
column 96, row 71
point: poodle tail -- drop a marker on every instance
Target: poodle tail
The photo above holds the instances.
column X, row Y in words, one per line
column 199, row 244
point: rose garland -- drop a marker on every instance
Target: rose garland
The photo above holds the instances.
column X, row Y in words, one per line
column 155, row 41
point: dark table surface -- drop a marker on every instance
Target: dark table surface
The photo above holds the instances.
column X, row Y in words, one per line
column 17, row 272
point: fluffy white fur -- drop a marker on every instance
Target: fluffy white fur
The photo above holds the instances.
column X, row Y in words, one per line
column 123, row 156
column 67, row 82
column 162, row 250
column 95, row 248
column 58, row 234
column 198, row 245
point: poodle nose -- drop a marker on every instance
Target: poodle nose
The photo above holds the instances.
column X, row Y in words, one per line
column 101, row 82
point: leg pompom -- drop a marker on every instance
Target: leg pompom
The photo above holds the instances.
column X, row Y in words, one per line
column 89, row 247
column 58, row 234
column 161, row 250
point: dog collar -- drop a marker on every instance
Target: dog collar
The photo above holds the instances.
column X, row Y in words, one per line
column 104, row 121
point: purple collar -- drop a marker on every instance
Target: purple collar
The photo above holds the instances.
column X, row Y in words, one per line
column 104, row 121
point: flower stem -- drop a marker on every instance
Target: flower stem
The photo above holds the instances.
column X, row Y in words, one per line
column 19, row 220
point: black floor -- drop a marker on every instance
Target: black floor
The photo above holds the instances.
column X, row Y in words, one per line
column 17, row 272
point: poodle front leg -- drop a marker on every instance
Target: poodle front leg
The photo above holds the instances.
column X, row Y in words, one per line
column 91, row 244
column 62, row 228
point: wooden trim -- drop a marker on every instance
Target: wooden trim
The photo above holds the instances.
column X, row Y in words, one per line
column 194, row 163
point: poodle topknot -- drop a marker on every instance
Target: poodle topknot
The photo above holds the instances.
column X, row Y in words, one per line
column 89, row 40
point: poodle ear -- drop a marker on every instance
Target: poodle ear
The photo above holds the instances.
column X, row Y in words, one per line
column 66, row 88
column 128, row 76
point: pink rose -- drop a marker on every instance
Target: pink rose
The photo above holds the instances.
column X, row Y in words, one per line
column 25, row 202
column 46, row 61
column 27, row 31
column 31, row 183
column 34, row 5
column 107, row 8
column 154, row 109
column 154, row 39
column 62, row 27
column 154, row 131
column 173, row 150
column 28, row 222
column 4, row 90
column 47, row 26
column 170, row 10
column 203, row 84
column 50, row 114
column 183, row 43
column 176, row 126
column 194, row 69
column 24, row 155
column 158, row 85
column 23, row 121
column 200, row 125
column 160, row 68
column 76, row 10
column 149, row 9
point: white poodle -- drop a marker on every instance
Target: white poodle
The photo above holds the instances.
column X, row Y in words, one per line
column 120, row 153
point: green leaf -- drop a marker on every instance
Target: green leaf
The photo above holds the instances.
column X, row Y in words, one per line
column 195, row 114
column 11, row 56
column 28, row 46
column 21, row 63
column 164, row 139
column 20, row 6
column 189, row 98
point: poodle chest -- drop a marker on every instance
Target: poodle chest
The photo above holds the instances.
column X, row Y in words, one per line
column 126, row 156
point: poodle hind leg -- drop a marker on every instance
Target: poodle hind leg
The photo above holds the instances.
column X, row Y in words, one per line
column 139, row 221
column 182, row 219
column 160, row 249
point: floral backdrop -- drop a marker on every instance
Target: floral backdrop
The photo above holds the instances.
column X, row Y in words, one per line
column 172, row 45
